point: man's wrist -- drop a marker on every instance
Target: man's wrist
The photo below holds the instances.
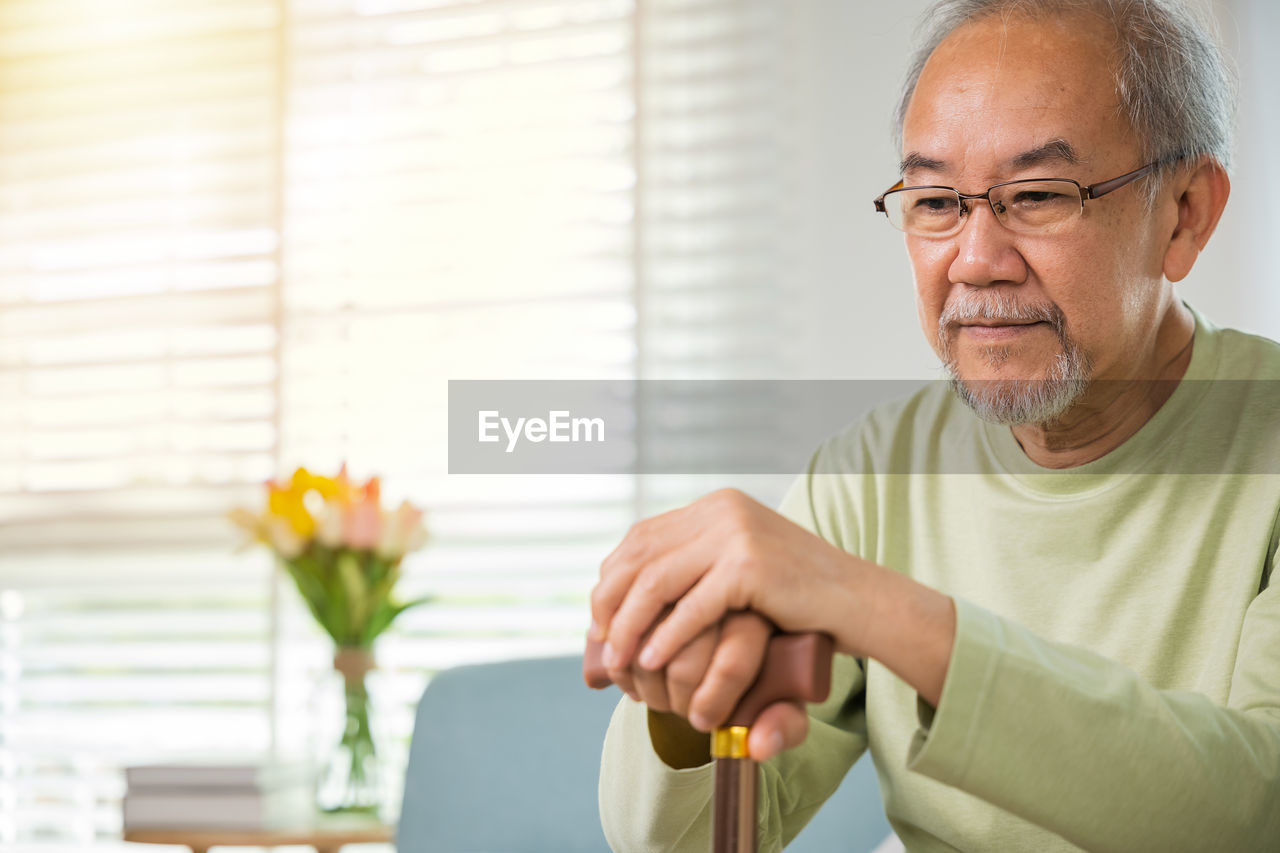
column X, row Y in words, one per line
column 864, row 615
column 909, row 628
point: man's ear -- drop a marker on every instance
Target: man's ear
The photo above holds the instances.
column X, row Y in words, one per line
column 1200, row 195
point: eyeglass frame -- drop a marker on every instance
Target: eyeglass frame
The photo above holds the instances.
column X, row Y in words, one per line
column 1092, row 191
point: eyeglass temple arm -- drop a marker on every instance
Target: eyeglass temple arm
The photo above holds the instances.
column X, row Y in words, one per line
column 879, row 203
column 1099, row 190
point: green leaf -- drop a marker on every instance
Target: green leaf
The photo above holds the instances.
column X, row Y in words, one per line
column 337, row 616
column 378, row 569
column 414, row 603
column 382, row 617
column 386, row 614
column 348, row 592
column 308, row 586
column 381, row 592
column 354, row 589
column 312, row 592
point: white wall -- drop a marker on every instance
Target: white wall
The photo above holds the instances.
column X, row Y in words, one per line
column 1239, row 281
column 849, row 59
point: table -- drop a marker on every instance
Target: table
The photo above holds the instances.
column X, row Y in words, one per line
column 323, row 839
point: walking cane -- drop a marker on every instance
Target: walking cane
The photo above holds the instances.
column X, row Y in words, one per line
column 796, row 667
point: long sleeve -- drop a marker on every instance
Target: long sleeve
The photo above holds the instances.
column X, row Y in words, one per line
column 646, row 805
column 1084, row 747
column 1115, row 679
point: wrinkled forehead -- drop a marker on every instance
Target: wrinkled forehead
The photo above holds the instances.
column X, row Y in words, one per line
column 1002, row 86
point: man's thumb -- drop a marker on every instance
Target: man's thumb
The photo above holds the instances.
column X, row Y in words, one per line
column 782, row 725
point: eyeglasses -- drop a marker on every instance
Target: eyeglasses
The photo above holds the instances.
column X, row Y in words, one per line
column 1035, row 205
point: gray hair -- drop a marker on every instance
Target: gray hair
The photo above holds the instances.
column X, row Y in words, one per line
column 1176, row 88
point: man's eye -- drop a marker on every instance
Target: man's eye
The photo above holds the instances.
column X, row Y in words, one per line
column 935, row 204
column 1037, row 198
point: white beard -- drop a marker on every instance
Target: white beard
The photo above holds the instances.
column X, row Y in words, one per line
column 1016, row 401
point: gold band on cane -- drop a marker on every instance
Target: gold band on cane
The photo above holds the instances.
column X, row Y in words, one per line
column 729, row 742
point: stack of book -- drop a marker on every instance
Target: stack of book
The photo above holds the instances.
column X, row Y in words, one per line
column 219, row 796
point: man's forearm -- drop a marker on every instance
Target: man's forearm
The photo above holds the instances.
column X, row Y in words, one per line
column 911, row 629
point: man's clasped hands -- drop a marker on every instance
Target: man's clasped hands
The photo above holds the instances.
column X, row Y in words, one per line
column 688, row 600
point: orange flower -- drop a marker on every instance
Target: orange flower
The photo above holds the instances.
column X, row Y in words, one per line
column 361, row 526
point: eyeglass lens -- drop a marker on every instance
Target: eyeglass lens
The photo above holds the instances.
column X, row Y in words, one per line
column 1020, row 206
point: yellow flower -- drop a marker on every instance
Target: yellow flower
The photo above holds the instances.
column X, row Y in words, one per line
column 287, row 504
column 301, row 480
column 337, row 489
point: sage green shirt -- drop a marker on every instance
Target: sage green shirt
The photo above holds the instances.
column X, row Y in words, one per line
column 1115, row 679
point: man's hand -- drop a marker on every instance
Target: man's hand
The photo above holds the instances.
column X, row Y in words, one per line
column 721, row 554
column 717, row 667
column 701, row 686
column 686, row 602
column 707, row 670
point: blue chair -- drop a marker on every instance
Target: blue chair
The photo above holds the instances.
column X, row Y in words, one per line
column 506, row 759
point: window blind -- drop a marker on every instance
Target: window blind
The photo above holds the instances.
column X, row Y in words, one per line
column 138, row 273
column 718, row 302
column 458, row 205
column 237, row 237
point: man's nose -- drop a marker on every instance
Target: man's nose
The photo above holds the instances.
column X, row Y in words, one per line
column 986, row 251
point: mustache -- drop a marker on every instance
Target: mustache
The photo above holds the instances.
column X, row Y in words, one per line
column 999, row 308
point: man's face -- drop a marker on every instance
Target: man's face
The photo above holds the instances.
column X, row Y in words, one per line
column 1004, row 100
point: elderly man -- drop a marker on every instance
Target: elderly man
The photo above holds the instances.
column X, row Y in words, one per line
column 1058, row 633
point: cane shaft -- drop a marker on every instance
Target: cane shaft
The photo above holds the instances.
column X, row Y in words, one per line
column 796, row 667
column 733, row 822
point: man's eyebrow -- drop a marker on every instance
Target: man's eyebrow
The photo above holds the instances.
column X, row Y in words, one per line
column 1055, row 149
column 916, row 160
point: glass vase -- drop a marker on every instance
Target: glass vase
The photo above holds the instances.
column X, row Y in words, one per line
column 351, row 781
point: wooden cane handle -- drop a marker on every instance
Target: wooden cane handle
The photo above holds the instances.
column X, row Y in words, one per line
column 797, row 667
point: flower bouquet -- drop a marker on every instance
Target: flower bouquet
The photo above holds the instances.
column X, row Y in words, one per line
column 343, row 552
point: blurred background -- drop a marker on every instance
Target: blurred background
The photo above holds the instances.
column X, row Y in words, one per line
column 238, row 236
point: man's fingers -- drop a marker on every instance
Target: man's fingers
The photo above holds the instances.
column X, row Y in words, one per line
column 661, row 582
column 733, row 669
column 645, row 542
column 617, row 573
column 687, row 669
column 625, row 683
column 705, row 603
column 651, row 687
column 782, row 725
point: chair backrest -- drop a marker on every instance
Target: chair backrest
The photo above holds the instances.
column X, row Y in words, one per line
column 506, row 759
